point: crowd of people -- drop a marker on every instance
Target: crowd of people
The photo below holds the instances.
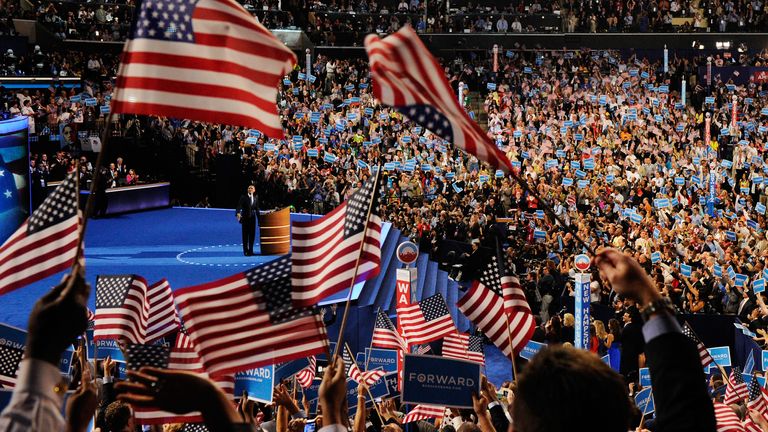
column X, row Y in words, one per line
column 346, row 23
column 572, row 380
column 605, row 141
column 609, row 143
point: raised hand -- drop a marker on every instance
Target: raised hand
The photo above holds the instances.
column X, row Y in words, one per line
column 58, row 318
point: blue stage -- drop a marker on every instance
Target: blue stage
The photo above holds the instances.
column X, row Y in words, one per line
column 189, row 246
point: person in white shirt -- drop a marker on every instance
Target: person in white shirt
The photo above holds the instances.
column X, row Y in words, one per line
column 516, row 26
column 502, row 25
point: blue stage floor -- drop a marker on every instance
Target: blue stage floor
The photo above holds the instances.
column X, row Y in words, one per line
column 187, row 246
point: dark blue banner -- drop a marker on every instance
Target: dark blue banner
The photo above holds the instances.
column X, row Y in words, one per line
column 440, row 381
column 382, row 358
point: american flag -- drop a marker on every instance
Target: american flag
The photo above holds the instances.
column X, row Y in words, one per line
column 326, row 250
column 355, row 374
column 464, row 347
column 184, row 357
column 195, row 427
column 727, row 420
column 46, row 243
column 163, row 319
column 307, row 375
column 735, row 388
column 426, row 320
column 140, row 355
column 247, row 320
column 10, row 357
column 704, row 356
column 385, row 334
column 751, row 426
column 758, row 399
column 122, row 309
column 206, row 60
column 422, row 412
column 509, row 286
column 407, row 77
column 484, row 306
column 423, row 349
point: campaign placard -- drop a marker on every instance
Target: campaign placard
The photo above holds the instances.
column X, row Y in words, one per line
column 289, row 369
column 439, row 381
column 381, row 358
column 645, row 377
column 531, row 349
column 644, row 401
column 721, row 355
column 259, row 383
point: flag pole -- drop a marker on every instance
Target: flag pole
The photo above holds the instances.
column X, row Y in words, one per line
column 365, row 384
column 357, row 266
column 89, row 203
column 370, row 346
column 511, row 348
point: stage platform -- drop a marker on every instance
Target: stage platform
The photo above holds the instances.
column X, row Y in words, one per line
column 190, row 246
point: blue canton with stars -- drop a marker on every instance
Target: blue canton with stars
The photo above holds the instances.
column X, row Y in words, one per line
column 57, row 207
column 358, row 204
column 433, row 307
column 166, row 20
column 274, row 281
column 430, row 118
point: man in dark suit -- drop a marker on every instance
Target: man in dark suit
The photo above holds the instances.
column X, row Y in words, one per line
column 563, row 388
column 247, row 212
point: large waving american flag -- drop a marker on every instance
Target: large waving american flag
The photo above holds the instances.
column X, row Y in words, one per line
column 46, row 243
column 326, row 250
column 163, row 319
column 426, row 320
column 407, row 77
column 122, row 309
column 247, row 320
column 206, row 60
column 484, row 306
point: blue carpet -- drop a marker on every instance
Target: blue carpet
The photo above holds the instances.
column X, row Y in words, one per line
column 187, row 246
column 184, row 245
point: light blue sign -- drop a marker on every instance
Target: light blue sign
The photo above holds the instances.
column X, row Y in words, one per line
column 758, row 286
column 259, row 383
column 531, row 349
column 721, row 355
column 655, row 257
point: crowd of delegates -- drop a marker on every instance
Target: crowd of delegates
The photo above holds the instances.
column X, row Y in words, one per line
column 572, row 380
column 606, row 140
column 328, row 21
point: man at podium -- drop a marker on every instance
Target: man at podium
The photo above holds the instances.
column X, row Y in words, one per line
column 247, row 212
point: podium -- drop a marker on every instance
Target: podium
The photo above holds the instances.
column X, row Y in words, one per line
column 275, row 232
